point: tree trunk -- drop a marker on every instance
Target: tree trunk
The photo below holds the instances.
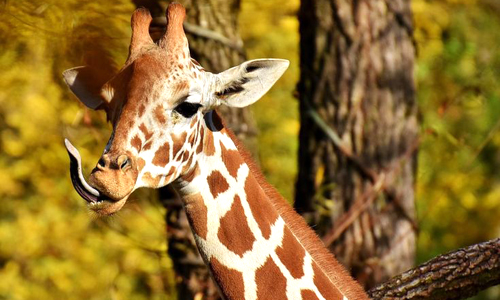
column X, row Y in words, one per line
column 456, row 275
column 358, row 136
column 211, row 27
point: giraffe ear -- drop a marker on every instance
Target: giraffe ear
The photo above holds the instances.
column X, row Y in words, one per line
column 243, row 85
column 86, row 84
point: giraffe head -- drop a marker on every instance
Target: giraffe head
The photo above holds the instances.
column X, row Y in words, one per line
column 156, row 104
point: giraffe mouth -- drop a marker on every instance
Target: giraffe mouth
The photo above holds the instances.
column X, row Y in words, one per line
column 90, row 194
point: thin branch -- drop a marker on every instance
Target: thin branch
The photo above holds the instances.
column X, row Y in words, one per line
column 354, row 211
column 483, row 144
column 337, row 141
column 456, row 275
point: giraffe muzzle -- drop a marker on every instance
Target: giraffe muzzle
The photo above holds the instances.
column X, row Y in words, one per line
column 100, row 202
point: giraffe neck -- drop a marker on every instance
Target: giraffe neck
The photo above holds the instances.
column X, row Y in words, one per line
column 255, row 245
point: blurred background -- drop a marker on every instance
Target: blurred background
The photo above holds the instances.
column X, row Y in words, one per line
column 51, row 247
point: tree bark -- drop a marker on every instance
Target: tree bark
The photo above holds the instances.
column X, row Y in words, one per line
column 456, row 275
column 358, row 136
column 211, row 27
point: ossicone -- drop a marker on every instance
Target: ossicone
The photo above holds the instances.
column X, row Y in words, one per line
column 141, row 19
column 174, row 41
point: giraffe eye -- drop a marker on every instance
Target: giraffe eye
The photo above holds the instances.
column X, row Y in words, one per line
column 187, row 109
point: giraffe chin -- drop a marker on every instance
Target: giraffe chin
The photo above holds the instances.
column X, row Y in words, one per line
column 106, row 207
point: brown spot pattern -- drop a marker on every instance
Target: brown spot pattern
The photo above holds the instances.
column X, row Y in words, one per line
column 188, row 164
column 271, row 283
column 140, row 164
column 191, row 139
column 185, row 156
column 229, row 281
column 148, row 145
column 142, row 108
column 324, row 285
column 151, row 180
column 262, row 209
column 171, row 171
column 234, row 232
column 199, row 148
column 232, row 159
column 161, row 157
column 159, row 114
column 193, row 122
column 196, row 212
column 145, row 131
column 291, row 254
column 308, row 295
column 217, row 183
column 136, row 143
column 209, row 146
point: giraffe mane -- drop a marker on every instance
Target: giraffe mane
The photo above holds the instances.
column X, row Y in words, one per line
column 326, row 261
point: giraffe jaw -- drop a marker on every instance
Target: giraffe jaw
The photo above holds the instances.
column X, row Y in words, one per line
column 97, row 201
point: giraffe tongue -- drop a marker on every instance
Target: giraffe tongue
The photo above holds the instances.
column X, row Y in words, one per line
column 87, row 192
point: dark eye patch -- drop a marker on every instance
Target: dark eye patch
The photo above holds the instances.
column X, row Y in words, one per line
column 187, row 109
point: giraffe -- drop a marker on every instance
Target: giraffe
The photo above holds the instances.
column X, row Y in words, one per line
column 166, row 131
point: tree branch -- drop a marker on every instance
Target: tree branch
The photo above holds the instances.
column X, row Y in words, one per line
column 456, row 275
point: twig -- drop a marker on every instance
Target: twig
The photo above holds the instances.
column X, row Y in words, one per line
column 353, row 213
column 488, row 138
column 334, row 137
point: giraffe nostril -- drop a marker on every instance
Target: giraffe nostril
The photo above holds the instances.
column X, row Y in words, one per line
column 123, row 161
column 101, row 164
